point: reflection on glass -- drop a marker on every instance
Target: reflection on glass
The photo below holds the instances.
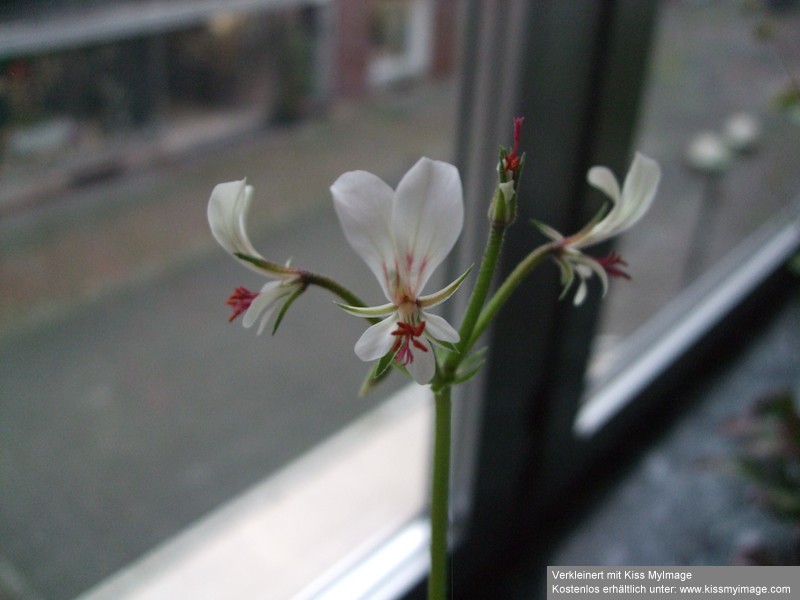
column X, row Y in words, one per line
column 129, row 407
column 719, row 117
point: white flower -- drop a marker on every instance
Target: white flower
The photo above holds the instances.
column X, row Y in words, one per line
column 227, row 213
column 742, row 131
column 708, row 153
column 403, row 235
column 629, row 206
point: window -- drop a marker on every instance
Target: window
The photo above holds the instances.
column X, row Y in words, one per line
column 714, row 118
column 143, row 436
column 88, row 368
column 587, row 80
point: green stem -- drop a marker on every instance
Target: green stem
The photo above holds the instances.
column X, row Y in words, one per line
column 332, row 286
column 504, row 292
column 440, row 497
column 491, row 254
column 307, row 277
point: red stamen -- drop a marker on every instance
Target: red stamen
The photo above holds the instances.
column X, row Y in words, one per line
column 512, row 159
column 240, row 301
column 407, row 335
column 610, row 262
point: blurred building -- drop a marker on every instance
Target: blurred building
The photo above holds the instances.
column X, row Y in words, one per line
column 89, row 88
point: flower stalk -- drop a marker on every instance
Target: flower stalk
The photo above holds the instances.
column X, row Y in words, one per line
column 506, row 289
column 440, row 496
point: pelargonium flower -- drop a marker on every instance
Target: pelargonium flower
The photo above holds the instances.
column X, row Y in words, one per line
column 403, row 235
column 629, row 206
column 227, row 213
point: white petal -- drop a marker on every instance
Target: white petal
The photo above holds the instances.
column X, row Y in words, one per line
column 227, row 211
column 439, row 329
column 638, row 190
column 363, row 203
column 423, row 367
column 585, row 266
column 227, row 216
column 604, row 180
column 265, row 302
column 377, row 340
column 580, row 294
column 427, row 217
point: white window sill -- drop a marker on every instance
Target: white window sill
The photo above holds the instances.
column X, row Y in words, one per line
column 296, row 534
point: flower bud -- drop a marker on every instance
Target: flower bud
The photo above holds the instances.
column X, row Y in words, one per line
column 503, row 208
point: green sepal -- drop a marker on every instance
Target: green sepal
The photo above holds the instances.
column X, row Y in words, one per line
column 470, row 367
column 382, row 366
column 502, row 154
column 384, row 310
column 519, row 170
column 437, row 298
column 376, row 374
column 292, row 297
column 567, row 276
column 547, row 231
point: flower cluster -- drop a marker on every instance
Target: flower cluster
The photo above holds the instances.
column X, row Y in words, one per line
column 404, row 234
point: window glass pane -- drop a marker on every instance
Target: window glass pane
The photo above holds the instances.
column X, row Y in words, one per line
column 129, row 408
column 721, row 117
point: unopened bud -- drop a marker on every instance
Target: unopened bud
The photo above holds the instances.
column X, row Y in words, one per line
column 503, row 208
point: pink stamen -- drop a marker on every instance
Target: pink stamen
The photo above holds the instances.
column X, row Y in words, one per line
column 512, row 159
column 407, row 335
column 610, row 264
column 240, row 301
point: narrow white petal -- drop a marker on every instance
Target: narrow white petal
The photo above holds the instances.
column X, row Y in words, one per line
column 585, row 266
column 265, row 302
column 423, row 367
column 439, row 329
column 227, row 216
column 227, row 210
column 638, row 190
column 604, row 180
column 601, row 274
column 377, row 340
column 363, row 203
column 580, row 294
column 427, row 217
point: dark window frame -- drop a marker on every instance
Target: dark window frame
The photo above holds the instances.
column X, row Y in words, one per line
column 576, row 71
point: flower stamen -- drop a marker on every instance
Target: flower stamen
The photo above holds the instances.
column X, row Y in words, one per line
column 406, row 336
column 240, row 301
column 512, row 160
column 612, row 265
